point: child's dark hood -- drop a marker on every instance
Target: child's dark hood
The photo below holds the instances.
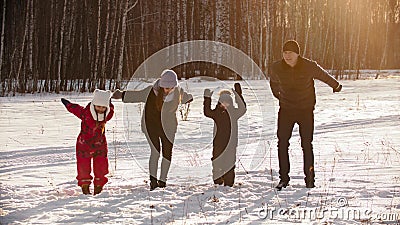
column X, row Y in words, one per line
column 226, row 98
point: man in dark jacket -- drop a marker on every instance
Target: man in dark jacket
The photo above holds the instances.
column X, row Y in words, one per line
column 292, row 83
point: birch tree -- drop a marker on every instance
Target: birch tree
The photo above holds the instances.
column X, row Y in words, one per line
column 122, row 46
column 2, row 86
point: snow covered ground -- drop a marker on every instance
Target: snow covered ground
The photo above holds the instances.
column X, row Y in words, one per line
column 356, row 147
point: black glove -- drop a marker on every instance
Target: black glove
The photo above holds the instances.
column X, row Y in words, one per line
column 65, row 101
column 118, row 94
column 337, row 89
column 207, row 93
column 238, row 88
column 189, row 99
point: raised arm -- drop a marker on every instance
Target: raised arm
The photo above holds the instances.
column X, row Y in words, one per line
column 75, row 109
column 241, row 110
column 133, row 96
column 208, row 112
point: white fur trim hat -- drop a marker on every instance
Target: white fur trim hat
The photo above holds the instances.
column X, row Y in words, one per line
column 169, row 79
column 101, row 98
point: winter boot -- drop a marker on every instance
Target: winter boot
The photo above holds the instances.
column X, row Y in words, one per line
column 309, row 182
column 282, row 184
column 219, row 181
column 85, row 189
column 310, row 185
column 97, row 189
column 153, row 183
column 162, row 184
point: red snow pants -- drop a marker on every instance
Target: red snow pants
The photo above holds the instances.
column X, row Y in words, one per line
column 84, row 168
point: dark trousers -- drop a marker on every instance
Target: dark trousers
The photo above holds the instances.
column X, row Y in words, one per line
column 287, row 118
column 228, row 179
column 154, row 137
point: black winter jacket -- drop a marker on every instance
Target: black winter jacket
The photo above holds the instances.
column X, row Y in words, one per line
column 154, row 120
column 294, row 86
column 225, row 126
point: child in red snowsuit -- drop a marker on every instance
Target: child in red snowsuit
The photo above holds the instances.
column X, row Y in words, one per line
column 91, row 142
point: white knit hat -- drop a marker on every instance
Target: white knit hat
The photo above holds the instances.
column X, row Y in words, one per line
column 169, row 79
column 101, row 98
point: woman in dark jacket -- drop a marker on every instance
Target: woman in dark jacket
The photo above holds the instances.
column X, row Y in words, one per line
column 159, row 121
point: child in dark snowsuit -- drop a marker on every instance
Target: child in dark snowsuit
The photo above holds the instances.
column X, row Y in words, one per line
column 91, row 142
column 225, row 117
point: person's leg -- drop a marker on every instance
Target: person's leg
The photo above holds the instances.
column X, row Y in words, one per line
column 84, row 168
column 154, row 141
column 167, row 146
column 306, row 128
column 218, row 177
column 217, row 172
column 100, row 169
column 285, row 127
column 229, row 177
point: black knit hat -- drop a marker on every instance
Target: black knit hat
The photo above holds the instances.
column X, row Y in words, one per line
column 292, row 46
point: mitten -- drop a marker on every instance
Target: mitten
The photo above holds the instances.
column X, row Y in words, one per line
column 118, row 94
column 207, row 93
column 337, row 89
column 238, row 88
column 65, row 101
column 189, row 99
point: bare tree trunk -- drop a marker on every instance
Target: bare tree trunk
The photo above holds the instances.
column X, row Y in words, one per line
column 364, row 60
column 68, row 68
column 111, row 47
column 115, row 51
column 103, row 55
column 97, row 57
column 383, row 58
column 142, row 36
column 260, row 40
column 343, row 61
column 33, row 63
column 90, row 56
column 356, row 60
column 30, row 40
column 304, row 52
column 21, row 74
column 61, row 48
column 249, row 36
column 326, row 38
column 350, row 42
column 335, row 38
column 122, row 46
column 268, row 55
column 11, row 86
column 2, row 83
column 50, row 54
